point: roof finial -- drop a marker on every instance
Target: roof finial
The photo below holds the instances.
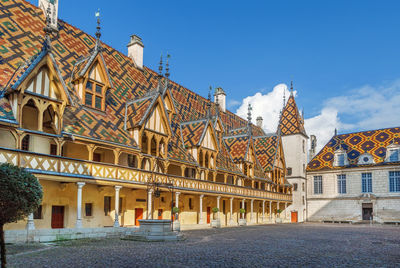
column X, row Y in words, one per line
column 167, row 66
column 160, row 68
column 291, row 88
column 284, row 97
column 335, row 131
column 98, row 28
column 217, row 104
column 47, row 29
column 209, row 103
column 249, row 109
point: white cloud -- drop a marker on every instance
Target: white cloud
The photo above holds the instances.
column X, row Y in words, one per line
column 267, row 106
column 233, row 103
column 364, row 108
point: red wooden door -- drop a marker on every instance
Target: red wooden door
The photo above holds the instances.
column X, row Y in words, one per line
column 208, row 214
column 138, row 215
column 57, row 217
column 294, row 216
column 160, row 211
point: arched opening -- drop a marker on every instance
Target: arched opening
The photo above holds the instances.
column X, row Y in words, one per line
column 25, row 143
column 128, row 160
column 146, row 164
column 144, row 144
column 229, row 180
column 210, row 176
column 190, row 173
column 30, row 115
column 201, row 158
column 153, row 146
column 7, row 139
column 220, row 178
column 212, row 161
column 206, row 160
column 161, row 149
column 202, row 175
column 103, row 155
column 50, row 120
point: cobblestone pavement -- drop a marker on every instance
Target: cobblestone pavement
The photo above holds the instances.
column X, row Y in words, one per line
column 285, row 245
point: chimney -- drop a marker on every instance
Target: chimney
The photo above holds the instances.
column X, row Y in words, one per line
column 53, row 4
column 259, row 121
column 135, row 50
column 313, row 147
column 220, row 96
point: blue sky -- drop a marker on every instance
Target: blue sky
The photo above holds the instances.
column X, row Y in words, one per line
column 330, row 49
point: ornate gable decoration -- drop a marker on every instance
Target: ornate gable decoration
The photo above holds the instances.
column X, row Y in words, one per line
column 157, row 120
column 199, row 133
column 291, row 121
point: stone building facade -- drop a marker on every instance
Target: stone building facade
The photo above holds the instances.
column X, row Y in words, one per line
column 112, row 141
column 356, row 177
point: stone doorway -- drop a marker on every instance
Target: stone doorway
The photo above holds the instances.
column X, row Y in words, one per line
column 57, row 217
column 367, row 211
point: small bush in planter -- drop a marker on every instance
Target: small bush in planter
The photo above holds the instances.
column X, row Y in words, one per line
column 175, row 211
column 279, row 211
column 242, row 210
column 215, row 211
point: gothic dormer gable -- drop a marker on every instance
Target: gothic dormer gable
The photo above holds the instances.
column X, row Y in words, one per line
column 91, row 80
column 156, row 119
column 209, row 139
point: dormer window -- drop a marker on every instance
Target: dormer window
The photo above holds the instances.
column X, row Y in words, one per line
column 340, row 158
column 365, row 159
column 394, row 155
column 94, row 94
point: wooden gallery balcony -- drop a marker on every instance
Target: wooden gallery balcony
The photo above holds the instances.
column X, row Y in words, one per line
column 82, row 169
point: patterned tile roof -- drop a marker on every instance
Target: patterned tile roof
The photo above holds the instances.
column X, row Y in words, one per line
column 5, row 110
column 137, row 110
column 266, row 148
column 373, row 142
column 225, row 161
column 193, row 131
column 237, row 146
column 291, row 121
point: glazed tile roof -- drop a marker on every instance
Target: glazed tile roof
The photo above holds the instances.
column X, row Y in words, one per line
column 373, row 142
column 225, row 161
column 238, row 147
column 266, row 149
column 291, row 121
column 21, row 41
column 192, row 132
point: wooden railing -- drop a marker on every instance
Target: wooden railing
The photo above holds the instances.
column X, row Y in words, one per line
column 81, row 168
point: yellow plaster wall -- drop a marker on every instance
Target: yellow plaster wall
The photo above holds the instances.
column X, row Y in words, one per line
column 75, row 150
column 7, row 139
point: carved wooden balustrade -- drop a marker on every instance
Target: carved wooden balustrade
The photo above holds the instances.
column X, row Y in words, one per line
column 48, row 164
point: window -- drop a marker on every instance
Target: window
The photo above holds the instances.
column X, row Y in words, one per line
column 294, row 186
column 304, row 200
column 107, row 205
column 366, row 179
column 317, row 184
column 94, row 95
column 304, row 147
column 341, row 160
column 53, row 149
column 25, row 143
column 88, row 209
column 132, row 161
column 37, row 215
column 341, row 180
column 394, row 181
column 394, row 155
column 302, row 186
column 289, row 171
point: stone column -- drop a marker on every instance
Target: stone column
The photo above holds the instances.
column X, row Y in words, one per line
column 251, row 211
column 270, row 211
column 201, row 210
column 177, row 199
column 30, row 224
column 285, row 211
column 79, row 205
column 218, row 198
column 263, row 211
column 150, row 204
column 116, row 220
column 231, row 221
column 243, row 208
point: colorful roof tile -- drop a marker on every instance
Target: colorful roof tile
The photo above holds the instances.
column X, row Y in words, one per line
column 238, row 147
column 291, row 121
column 192, row 132
column 373, row 142
column 266, row 148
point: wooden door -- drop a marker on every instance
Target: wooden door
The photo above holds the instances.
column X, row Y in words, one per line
column 208, row 214
column 294, row 216
column 160, row 211
column 57, row 217
column 138, row 215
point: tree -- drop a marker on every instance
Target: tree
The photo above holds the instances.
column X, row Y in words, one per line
column 20, row 195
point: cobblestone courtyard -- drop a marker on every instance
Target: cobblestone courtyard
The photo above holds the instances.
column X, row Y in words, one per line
column 311, row 245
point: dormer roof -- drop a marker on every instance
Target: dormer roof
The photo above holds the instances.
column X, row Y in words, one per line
column 291, row 121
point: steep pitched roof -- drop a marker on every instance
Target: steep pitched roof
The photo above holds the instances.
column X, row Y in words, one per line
column 225, row 161
column 373, row 142
column 266, row 148
column 291, row 121
column 192, row 132
column 238, row 147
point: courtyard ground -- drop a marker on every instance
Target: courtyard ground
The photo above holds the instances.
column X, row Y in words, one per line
column 283, row 245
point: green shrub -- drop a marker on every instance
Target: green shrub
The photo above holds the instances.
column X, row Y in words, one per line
column 215, row 210
column 175, row 210
column 242, row 210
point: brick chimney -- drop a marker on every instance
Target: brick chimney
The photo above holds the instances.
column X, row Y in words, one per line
column 259, row 121
column 220, row 96
column 135, row 50
column 53, row 4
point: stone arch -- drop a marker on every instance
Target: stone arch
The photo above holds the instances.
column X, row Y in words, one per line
column 144, row 143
